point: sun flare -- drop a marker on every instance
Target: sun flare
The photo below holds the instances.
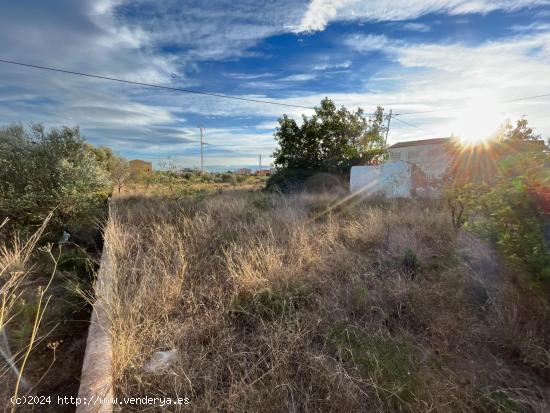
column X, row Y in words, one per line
column 478, row 122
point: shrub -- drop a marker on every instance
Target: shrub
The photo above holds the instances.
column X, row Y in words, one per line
column 45, row 170
column 498, row 400
column 510, row 213
column 288, row 180
column 269, row 304
column 387, row 361
column 410, row 263
column 229, row 178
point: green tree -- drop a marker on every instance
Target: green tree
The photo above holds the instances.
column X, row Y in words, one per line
column 42, row 170
column 332, row 140
column 514, row 208
column 119, row 171
column 103, row 154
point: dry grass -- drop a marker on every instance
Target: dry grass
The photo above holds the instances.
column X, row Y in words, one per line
column 280, row 304
column 43, row 322
column 192, row 187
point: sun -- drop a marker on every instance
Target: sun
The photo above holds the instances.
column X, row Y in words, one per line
column 477, row 123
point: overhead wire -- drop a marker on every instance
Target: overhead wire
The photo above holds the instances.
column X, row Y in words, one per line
column 413, row 125
column 395, row 116
column 521, row 99
column 176, row 89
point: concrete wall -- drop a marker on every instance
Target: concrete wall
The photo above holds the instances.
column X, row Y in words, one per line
column 392, row 179
column 433, row 160
column 96, row 380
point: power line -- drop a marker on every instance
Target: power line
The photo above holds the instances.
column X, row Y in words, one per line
column 175, row 89
column 526, row 98
column 413, row 125
column 521, row 99
column 224, row 96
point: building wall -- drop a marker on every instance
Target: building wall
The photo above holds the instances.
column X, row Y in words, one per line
column 391, row 179
column 138, row 166
column 433, row 160
column 244, row 171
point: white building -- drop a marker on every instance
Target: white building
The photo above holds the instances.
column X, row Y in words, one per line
column 414, row 167
column 432, row 156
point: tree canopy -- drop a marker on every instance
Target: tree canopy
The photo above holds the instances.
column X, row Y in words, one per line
column 332, row 140
column 44, row 170
column 513, row 208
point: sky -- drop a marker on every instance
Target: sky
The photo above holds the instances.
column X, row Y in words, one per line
column 461, row 62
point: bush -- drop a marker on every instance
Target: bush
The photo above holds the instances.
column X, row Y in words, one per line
column 229, row 178
column 510, row 213
column 288, row 180
column 389, row 362
column 45, row 170
column 410, row 263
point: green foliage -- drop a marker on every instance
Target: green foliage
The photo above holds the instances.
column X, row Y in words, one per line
column 521, row 133
column 229, row 177
column 262, row 202
column 45, row 170
column 332, row 140
column 268, row 304
column 76, row 261
column 242, row 179
column 21, row 329
column 410, row 263
column 512, row 211
column 500, row 401
column 288, row 180
column 387, row 361
column 119, row 171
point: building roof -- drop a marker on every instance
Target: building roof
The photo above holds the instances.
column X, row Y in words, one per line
column 437, row 141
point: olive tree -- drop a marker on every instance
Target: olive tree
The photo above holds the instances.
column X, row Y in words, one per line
column 44, row 170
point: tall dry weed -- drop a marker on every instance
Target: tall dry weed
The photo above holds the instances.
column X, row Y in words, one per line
column 306, row 303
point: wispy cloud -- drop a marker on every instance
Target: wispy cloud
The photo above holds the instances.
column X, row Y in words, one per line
column 320, row 13
column 416, row 27
column 333, row 66
column 299, row 77
column 230, row 47
column 439, row 76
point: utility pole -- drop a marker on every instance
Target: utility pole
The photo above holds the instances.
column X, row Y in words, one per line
column 201, row 128
column 260, row 162
column 388, row 129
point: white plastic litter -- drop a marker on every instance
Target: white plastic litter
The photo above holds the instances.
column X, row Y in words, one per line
column 64, row 238
column 160, row 361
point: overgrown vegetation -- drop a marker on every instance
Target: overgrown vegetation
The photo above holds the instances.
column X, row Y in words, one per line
column 331, row 141
column 176, row 184
column 291, row 303
column 50, row 170
column 53, row 198
column 512, row 210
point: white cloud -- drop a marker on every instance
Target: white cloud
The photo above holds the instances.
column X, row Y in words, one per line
column 416, row 27
column 335, row 66
column 300, row 77
column 435, row 77
column 532, row 27
column 320, row 13
column 370, row 42
column 97, row 38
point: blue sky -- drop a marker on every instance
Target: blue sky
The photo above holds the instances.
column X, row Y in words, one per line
column 459, row 57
